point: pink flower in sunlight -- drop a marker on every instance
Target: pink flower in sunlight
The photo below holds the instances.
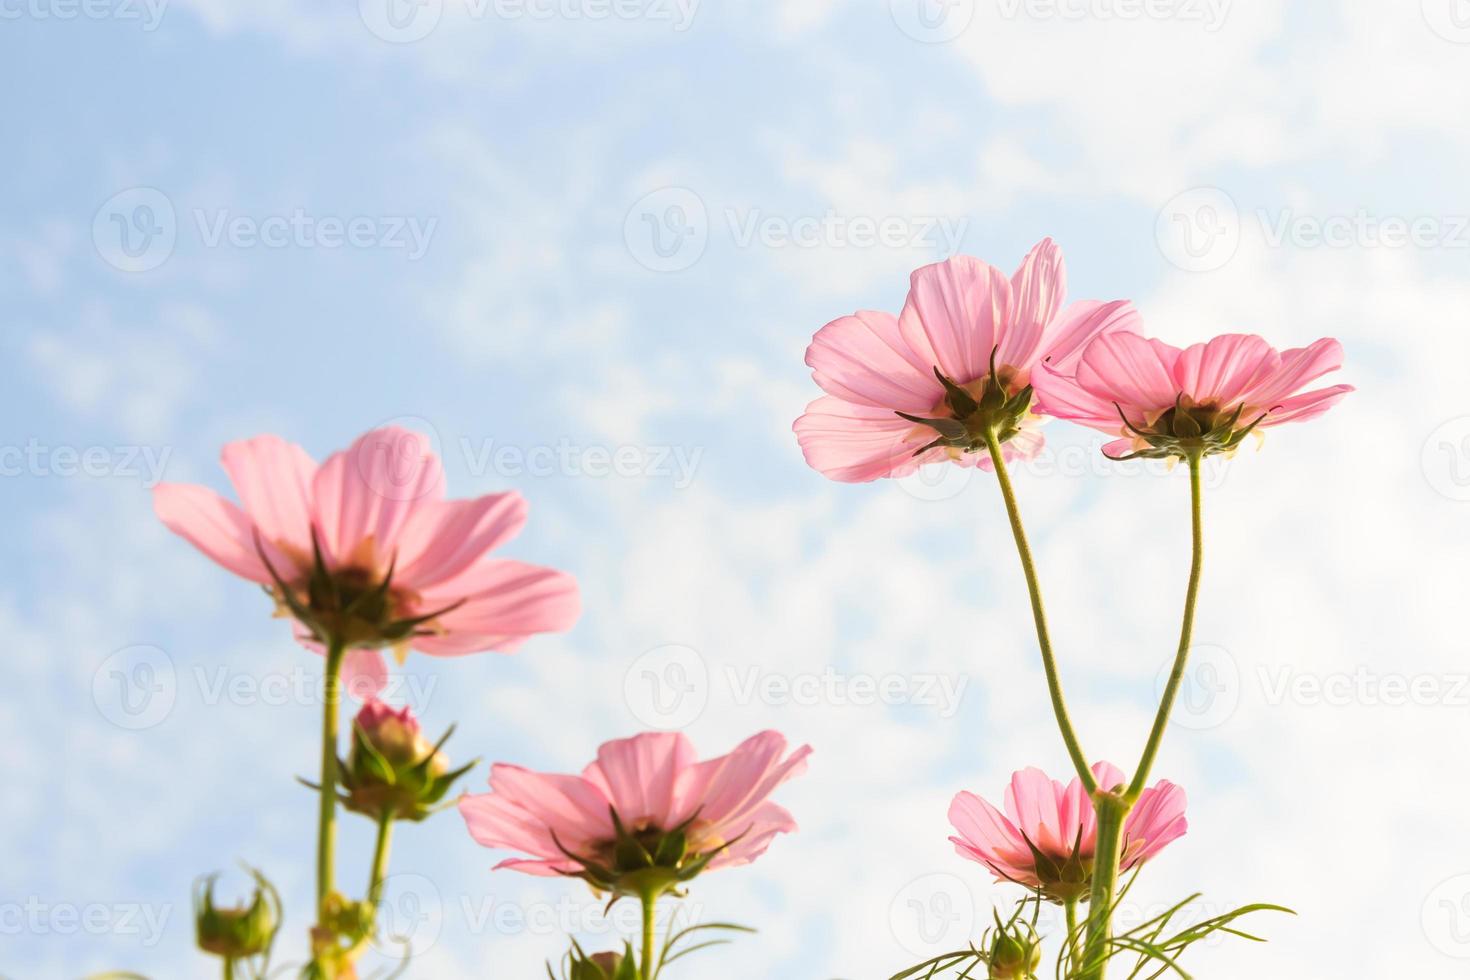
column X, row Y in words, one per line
column 926, row 385
column 1204, row 399
column 1047, row 835
column 646, row 814
column 365, row 549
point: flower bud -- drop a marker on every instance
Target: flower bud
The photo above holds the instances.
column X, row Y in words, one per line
column 1015, row 950
column 391, row 768
column 602, row 966
column 239, row 931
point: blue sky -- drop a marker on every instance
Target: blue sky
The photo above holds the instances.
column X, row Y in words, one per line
column 575, row 235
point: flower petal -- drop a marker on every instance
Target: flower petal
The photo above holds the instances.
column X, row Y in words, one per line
column 863, row 359
column 1135, row 372
column 1224, row 369
column 216, row 527
column 1299, row 366
column 857, row 443
column 504, row 602
column 1308, row 405
column 1037, row 290
column 639, row 775
column 955, row 315
column 1080, row 324
column 443, row 538
column 273, row 478
column 364, row 496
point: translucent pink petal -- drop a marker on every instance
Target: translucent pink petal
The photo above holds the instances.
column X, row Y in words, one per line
column 216, row 527
column 273, row 478
column 1032, row 802
column 727, row 791
column 639, row 774
column 955, row 314
column 856, row 443
column 988, row 837
column 1155, row 821
column 502, row 603
column 759, row 831
column 1037, row 291
column 364, row 673
column 539, row 804
column 1222, row 370
column 1060, row 396
column 1299, row 366
column 863, row 359
column 1308, row 405
column 1080, row 324
column 1135, row 372
column 442, row 539
column 364, row 496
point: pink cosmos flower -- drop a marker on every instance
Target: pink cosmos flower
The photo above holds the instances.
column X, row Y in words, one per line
column 925, row 386
column 366, row 548
column 645, row 809
column 1047, row 835
column 1164, row 401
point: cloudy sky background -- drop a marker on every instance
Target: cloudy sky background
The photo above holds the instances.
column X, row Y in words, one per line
column 586, row 230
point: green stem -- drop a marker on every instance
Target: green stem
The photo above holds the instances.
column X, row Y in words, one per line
column 380, row 857
column 1071, row 927
column 1186, row 632
column 1038, row 613
column 650, row 906
column 229, row 968
column 326, row 838
column 1112, row 811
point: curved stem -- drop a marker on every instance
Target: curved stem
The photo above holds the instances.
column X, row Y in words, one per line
column 380, row 857
column 650, row 907
column 1038, row 613
column 326, row 838
column 1186, row 633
